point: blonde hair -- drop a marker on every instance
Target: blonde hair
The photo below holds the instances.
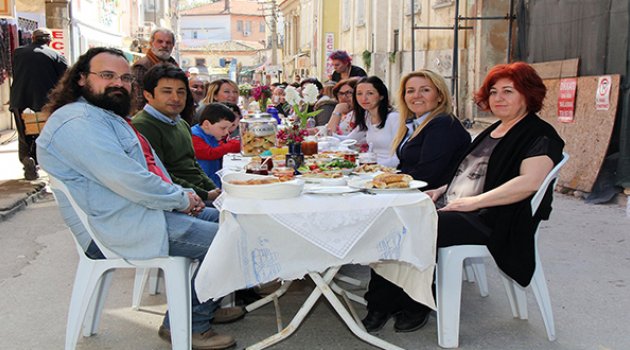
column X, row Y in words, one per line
column 214, row 88
column 445, row 104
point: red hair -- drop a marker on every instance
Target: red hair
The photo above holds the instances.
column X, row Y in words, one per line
column 341, row 56
column 526, row 81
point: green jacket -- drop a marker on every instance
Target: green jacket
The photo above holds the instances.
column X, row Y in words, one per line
column 173, row 145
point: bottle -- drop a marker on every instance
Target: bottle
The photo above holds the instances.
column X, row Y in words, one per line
column 310, row 122
column 295, row 157
column 274, row 113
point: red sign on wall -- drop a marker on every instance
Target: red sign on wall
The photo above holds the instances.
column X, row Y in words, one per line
column 59, row 41
column 566, row 100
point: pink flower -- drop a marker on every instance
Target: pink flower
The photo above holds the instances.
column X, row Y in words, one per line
column 292, row 134
column 260, row 92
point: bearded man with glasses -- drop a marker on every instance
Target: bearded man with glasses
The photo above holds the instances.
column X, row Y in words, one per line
column 113, row 173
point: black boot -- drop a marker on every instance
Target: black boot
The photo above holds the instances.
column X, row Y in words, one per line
column 246, row 296
column 375, row 320
column 407, row 321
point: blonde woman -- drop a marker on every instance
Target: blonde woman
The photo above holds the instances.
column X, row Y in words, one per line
column 220, row 90
column 429, row 143
column 430, row 139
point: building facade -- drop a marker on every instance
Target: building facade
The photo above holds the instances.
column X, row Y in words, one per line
column 379, row 37
column 223, row 38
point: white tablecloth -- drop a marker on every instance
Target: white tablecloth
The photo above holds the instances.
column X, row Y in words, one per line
column 263, row 240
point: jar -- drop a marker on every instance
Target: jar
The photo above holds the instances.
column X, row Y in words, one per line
column 309, row 146
column 258, row 134
column 256, row 168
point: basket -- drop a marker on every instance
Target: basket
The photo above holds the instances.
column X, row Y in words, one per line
column 34, row 122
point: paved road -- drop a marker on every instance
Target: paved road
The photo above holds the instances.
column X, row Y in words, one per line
column 585, row 251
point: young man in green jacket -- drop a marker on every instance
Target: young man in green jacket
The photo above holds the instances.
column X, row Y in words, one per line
column 168, row 95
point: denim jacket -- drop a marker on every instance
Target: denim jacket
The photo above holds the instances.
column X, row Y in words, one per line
column 98, row 156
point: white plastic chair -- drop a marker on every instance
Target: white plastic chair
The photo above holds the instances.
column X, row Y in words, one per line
column 142, row 277
column 93, row 278
column 451, row 262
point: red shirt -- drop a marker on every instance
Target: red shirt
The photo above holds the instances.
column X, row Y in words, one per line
column 148, row 155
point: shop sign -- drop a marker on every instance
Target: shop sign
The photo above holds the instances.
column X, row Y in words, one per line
column 566, row 100
column 602, row 95
column 330, row 47
column 59, row 41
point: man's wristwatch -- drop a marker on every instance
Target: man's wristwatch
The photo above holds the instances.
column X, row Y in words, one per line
column 337, row 114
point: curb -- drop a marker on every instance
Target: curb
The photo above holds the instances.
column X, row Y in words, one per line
column 19, row 205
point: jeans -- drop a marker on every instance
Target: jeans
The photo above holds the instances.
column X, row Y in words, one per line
column 191, row 239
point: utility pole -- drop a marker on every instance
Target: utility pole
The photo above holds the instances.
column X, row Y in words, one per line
column 274, row 34
column 269, row 10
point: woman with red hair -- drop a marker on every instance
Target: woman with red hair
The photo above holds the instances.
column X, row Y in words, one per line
column 487, row 200
column 342, row 64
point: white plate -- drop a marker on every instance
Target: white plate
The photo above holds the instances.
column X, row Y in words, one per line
column 330, row 190
column 367, row 175
column 361, row 184
column 337, row 181
column 278, row 190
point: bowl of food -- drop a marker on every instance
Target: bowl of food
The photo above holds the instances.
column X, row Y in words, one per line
column 260, row 187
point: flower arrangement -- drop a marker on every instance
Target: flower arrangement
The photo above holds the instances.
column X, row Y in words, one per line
column 309, row 97
column 292, row 134
column 244, row 90
column 261, row 93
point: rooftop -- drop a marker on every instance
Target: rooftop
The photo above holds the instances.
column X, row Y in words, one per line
column 242, row 7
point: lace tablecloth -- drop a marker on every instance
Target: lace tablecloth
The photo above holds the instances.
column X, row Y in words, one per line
column 263, row 240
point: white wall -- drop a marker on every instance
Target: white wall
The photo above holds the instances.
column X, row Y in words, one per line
column 208, row 28
column 5, row 114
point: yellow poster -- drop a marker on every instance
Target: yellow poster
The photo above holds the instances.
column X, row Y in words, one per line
column 6, row 8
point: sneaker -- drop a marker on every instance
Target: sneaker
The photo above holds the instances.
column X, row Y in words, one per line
column 30, row 169
column 228, row 314
column 208, row 340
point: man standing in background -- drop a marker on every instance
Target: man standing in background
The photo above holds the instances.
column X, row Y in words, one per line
column 36, row 70
column 162, row 42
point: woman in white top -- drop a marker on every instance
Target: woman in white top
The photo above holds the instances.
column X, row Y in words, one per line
column 375, row 119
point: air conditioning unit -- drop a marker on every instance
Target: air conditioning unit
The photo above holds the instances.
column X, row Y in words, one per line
column 246, row 33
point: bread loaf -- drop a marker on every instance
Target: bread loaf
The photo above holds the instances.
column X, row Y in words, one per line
column 391, row 178
column 384, row 181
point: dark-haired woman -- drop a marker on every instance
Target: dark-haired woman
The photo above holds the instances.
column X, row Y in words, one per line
column 376, row 121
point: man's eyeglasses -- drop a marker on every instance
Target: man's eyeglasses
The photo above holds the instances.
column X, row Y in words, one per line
column 107, row 75
column 347, row 93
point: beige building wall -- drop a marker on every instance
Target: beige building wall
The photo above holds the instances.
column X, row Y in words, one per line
column 381, row 31
column 353, row 35
column 328, row 13
column 291, row 11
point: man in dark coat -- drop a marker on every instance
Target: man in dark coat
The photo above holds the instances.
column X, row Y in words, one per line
column 162, row 41
column 36, row 70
